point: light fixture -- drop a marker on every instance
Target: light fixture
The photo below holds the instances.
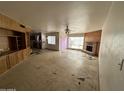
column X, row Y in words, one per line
column 67, row 30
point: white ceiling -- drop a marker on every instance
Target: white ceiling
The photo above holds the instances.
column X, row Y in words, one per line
column 82, row 16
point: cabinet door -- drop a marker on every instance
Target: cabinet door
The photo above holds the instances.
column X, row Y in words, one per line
column 20, row 55
column 3, row 65
column 13, row 59
column 25, row 53
column 29, row 51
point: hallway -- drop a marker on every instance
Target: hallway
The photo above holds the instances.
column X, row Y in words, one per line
column 53, row 70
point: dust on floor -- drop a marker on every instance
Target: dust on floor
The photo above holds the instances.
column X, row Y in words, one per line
column 53, row 70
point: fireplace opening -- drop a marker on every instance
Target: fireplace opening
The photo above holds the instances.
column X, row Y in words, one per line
column 89, row 48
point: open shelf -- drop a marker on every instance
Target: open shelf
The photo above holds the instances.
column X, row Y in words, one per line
column 20, row 39
column 16, row 41
column 12, row 43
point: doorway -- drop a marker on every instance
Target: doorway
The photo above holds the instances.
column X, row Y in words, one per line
column 36, row 40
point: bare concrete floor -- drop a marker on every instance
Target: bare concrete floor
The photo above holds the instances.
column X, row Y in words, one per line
column 53, row 70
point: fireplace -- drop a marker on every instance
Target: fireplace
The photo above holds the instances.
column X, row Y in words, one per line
column 89, row 48
column 92, row 42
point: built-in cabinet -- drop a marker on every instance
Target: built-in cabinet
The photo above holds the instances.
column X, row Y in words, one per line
column 13, row 59
column 3, row 64
column 20, row 55
column 26, row 52
column 15, row 40
column 10, row 60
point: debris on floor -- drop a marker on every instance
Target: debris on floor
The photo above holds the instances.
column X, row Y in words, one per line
column 73, row 75
column 79, row 83
column 82, row 79
column 90, row 58
column 54, row 73
column 47, row 71
column 38, row 67
column 36, row 53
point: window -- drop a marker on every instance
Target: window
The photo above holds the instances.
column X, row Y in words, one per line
column 51, row 40
column 76, row 42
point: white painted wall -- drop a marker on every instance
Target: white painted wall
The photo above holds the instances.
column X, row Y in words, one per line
column 112, row 49
column 62, row 41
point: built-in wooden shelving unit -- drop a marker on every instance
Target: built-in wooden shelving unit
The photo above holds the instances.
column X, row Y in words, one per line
column 14, row 41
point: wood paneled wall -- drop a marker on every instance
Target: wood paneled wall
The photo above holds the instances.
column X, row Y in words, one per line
column 4, row 43
column 95, row 38
column 10, row 24
column 15, row 34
